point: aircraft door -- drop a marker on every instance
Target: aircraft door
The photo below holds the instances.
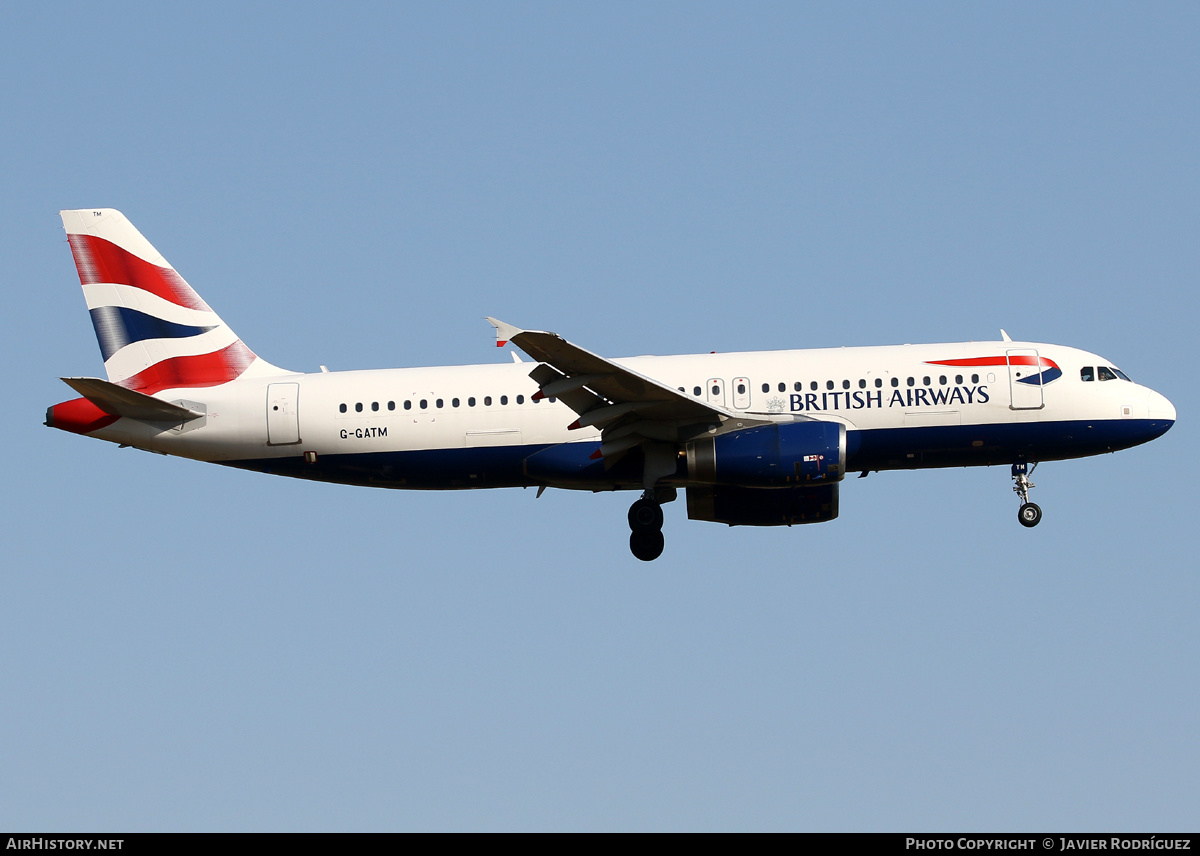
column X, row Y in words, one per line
column 741, row 393
column 1025, row 379
column 283, row 415
column 716, row 391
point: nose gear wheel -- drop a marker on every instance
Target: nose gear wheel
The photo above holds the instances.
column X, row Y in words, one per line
column 1029, row 514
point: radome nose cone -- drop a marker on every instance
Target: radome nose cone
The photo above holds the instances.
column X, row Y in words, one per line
column 1160, row 408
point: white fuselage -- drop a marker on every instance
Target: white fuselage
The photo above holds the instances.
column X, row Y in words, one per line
column 892, row 392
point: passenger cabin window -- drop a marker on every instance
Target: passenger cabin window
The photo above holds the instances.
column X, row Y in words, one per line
column 1087, row 374
column 862, row 384
column 375, row 406
column 520, row 399
column 504, row 399
column 766, row 387
column 829, row 384
column 798, row 386
column 358, row 407
column 895, row 381
column 879, row 382
column 408, row 404
column 454, row 402
column 783, row 387
column 695, row 390
column 471, row 401
column 391, row 405
column 845, row 384
column 487, row 401
column 424, row 403
column 341, row 408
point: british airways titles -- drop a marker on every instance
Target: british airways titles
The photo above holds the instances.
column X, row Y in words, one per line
column 859, row 399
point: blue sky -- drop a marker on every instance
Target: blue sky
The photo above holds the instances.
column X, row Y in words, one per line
column 187, row 647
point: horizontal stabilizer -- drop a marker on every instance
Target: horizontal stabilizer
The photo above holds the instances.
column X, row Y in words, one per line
column 119, row 401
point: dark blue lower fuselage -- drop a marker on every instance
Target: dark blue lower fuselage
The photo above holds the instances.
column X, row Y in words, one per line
column 571, row 464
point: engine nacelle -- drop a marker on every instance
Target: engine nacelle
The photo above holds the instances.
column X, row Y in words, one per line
column 770, row 456
column 750, row 506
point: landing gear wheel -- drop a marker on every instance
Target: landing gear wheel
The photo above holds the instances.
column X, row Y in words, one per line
column 645, row 528
column 646, row 515
column 1029, row 514
column 646, row 546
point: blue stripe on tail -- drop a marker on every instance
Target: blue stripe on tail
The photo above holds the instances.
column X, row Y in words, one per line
column 118, row 326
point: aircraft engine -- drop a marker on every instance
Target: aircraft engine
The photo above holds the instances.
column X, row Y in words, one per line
column 770, row 456
column 773, row 475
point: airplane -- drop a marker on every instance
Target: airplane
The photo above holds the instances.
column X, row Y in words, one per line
column 753, row 439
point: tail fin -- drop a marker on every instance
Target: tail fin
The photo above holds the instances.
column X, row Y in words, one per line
column 154, row 331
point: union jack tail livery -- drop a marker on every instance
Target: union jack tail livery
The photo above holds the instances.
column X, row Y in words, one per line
column 155, row 332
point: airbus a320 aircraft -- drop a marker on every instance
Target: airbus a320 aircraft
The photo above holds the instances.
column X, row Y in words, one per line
column 754, row 439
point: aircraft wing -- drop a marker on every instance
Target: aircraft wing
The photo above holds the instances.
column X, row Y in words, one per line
column 628, row 408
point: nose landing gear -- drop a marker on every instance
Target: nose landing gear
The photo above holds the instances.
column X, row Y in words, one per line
column 1029, row 514
column 645, row 528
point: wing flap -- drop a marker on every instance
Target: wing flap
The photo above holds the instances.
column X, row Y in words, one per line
column 577, row 398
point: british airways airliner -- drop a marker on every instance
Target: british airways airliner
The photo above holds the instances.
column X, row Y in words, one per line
column 754, row 439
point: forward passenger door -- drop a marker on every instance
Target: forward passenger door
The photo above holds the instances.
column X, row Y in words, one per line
column 1025, row 379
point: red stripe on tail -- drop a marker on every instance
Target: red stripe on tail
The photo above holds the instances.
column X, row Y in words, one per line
column 98, row 260
column 200, row 370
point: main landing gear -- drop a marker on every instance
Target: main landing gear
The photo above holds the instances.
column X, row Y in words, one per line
column 1029, row 513
column 645, row 528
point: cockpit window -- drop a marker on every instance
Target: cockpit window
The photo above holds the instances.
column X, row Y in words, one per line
column 1122, row 374
column 1087, row 373
column 1107, row 374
